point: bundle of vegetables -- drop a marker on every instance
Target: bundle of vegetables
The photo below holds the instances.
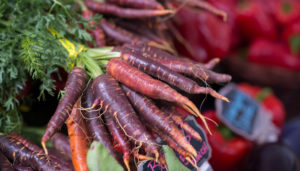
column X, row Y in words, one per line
column 128, row 74
column 18, row 153
column 118, row 106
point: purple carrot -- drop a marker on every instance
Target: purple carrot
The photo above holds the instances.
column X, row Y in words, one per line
column 18, row 152
column 148, row 4
column 114, row 101
column 61, row 143
column 75, row 84
column 181, row 65
column 33, row 147
column 105, row 8
column 118, row 135
column 95, row 124
column 141, row 29
column 158, row 119
column 22, row 168
column 120, row 34
column 5, row 165
column 164, row 73
column 176, row 117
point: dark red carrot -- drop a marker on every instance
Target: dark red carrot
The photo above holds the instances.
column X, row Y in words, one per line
column 61, row 143
column 60, row 157
column 144, row 84
column 19, row 153
column 181, row 65
column 148, row 4
column 120, row 34
column 158, row 119
column 113, row 100
column 105, row 8
column 33, row 147
column 141, row 29
column 78, row 139
column 96, row 126
column 212, row 63
column 204, row 5
column 163, row 73
column 27, row 143
column 176, row 117
column 15, row 150
column 118, row 135
column 97, row 33
column 22, row 168
column 172, row 143
column 124, row 36
column 153, row 52
column 75, row 84
column 5, row 165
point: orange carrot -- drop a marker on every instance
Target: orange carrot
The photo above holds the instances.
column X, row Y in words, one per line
column 78, row 139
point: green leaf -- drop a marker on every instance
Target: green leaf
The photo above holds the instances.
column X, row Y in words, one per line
column 98, row 158
column 172, row 160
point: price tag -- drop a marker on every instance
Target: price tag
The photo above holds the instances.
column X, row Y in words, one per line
column 244, row 116
column 203, row 150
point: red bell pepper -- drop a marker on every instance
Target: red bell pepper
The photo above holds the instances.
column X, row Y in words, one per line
column 207, row 35
column 270, row 53
column 253, row 21
column 291, row 35
column 287, row 11
column 268, row 100
column 228, row 150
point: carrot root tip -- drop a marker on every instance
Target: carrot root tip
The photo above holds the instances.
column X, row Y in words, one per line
column 44, row 147
column 126, row 161
column 192, row 163
column 156, row 156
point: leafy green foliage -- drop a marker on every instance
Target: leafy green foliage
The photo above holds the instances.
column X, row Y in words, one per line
column 98, row 158
column 27, row 48
column 10, row 121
